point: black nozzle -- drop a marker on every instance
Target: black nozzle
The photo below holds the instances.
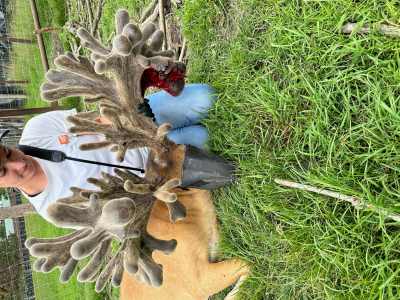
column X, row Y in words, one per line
column 205, row 170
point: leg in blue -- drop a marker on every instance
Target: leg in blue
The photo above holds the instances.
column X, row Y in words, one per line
column 184, row 112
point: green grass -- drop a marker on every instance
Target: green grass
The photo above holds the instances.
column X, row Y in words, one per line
column 300, row 101
column 47, row 286
column 25, row 62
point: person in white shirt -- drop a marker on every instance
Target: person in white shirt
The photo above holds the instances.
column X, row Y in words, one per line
column 44, row 182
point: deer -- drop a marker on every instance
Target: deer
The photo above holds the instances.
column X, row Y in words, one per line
column 193, row 270
column 141, row 216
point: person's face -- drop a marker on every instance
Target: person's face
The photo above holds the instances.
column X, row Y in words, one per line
column 16, row 168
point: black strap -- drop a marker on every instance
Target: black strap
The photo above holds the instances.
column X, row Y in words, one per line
column 59, row 156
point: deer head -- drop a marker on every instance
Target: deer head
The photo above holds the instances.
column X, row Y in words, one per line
column 116, row 77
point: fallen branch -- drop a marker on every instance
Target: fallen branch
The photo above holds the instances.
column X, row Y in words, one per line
column 149, row 11
column 153, row 17
column 183, row 50
column 96, row 20
column 16, row 211
column 385, row 29
column 90, row 13
column 356, row 202
column 163, row 26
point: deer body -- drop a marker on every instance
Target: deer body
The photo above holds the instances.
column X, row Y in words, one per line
column 188, row 272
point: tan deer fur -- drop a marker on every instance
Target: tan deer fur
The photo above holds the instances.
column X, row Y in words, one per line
column 188, row 272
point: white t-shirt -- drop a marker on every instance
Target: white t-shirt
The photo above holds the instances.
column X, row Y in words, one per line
column 43, row 131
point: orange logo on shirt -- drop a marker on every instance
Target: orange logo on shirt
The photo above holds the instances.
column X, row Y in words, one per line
column 63, row 139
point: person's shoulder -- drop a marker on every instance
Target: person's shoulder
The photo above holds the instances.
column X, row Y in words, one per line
column 55, row 114
column 51, row 116
column 46, row 124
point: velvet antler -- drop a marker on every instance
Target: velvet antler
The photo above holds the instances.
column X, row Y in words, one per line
column 117, row 78
column 120, row 211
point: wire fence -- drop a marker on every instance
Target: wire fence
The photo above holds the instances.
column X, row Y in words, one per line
column 17, row 48
column 16, row 280
column 21, row 73
column 16, row 41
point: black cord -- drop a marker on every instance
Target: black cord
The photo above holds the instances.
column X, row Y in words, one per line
column 104, row 164
column 59, row 156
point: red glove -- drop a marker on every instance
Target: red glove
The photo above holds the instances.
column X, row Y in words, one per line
column 172, row 82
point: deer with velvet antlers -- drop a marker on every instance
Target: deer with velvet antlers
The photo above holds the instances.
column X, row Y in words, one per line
column 124, row 208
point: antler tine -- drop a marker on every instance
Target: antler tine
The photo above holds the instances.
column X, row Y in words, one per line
column 121, row 20
column 86, row 246
column 54, row 252
column 69, row 216
column 118, row 272
column 156, row 40
column 147, row 30
column 91, row 269
column 91, row 43
column 106, row 273
column 133, row 33
column 153, row 270
column 67, row 270
column 126, row 175
column 33, row 241
column 67, row 63
column 163, row 194
column 76, row 77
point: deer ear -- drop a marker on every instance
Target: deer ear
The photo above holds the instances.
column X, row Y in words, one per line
column 165, row 196
column 176, row 211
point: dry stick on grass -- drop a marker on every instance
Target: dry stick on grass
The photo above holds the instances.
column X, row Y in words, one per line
column 97, row 18
column 163, row 26
column 356, row 202
column 153, row 17
column 90, row 12
column 183, row 50
column 149, row 11
column 385, row 29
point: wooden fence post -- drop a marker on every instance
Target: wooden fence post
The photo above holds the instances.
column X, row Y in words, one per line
column 6, row 82
column 15, row 40
column 16, row 211
column 11, row 113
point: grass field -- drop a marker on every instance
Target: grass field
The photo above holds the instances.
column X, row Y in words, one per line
column 299, row 100
column 25, row 58
column 47, row 286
